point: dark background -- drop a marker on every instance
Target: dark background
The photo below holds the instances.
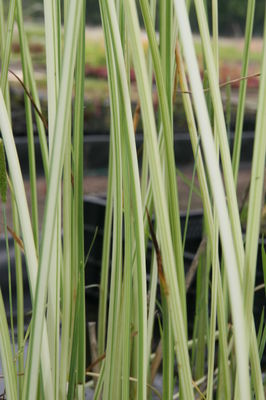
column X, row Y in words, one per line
column 231, row 14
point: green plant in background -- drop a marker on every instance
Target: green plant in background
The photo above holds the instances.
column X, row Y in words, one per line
column 222, row 359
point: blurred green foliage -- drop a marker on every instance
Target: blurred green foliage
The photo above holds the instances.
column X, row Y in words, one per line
column 231, row 14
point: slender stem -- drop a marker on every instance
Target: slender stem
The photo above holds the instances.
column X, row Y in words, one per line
column 52, row 63
column 160, row 200
column 215, row 254
column 222, row 135
column 254, row 211
column 242, row 90
column 6, row 355
column 103, row 292
column 112, row 379
column 9, row 281
column 136, row 196
column 219, row 198
column 27, row 235
column 29, row 124
column 165, row 101
column 78, row 192
column 20, row 296
column 6, row 46
column 51, row 200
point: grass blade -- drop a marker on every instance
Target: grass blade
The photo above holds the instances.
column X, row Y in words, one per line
column 219, row 197
column 6, row 355
column 243, row 88
column 51, row 200
column 159, row 199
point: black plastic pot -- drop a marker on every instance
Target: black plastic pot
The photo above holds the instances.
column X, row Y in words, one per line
column 94, row 213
